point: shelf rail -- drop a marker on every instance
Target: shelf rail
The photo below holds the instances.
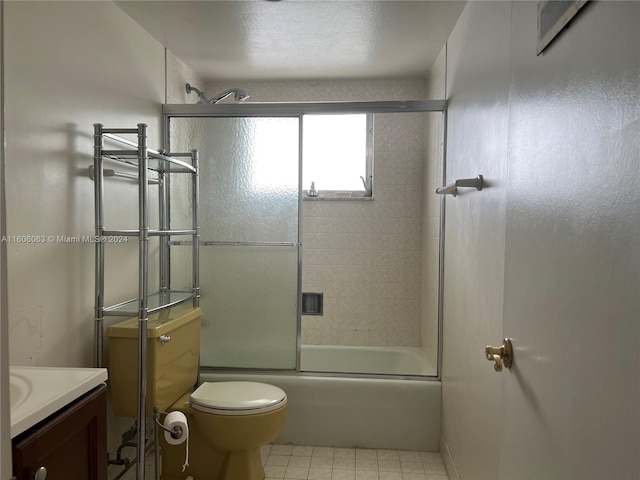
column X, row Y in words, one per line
column 107, row 172
column 452, row 188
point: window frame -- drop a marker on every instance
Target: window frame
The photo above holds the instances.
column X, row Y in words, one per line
column 364, row 194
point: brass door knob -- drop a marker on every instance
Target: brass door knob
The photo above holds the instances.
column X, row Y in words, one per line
column 502, row 355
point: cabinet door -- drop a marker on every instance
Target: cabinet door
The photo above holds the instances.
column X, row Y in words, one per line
column 70, row 445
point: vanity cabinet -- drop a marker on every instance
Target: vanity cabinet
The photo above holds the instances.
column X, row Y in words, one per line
column 71, row 444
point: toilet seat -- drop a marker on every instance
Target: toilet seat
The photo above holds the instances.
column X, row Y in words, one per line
column 237, row 398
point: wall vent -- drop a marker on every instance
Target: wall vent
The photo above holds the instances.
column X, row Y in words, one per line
column 553, row 17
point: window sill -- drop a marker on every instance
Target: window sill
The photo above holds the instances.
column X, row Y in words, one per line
column 339, row 199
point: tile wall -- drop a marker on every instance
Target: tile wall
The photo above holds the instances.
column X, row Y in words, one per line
column 366, row 256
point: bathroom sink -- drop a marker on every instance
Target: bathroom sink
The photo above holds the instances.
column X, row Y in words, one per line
column 19, row 388
column 37, row 392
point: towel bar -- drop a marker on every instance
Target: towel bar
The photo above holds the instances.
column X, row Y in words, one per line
column 452, row 188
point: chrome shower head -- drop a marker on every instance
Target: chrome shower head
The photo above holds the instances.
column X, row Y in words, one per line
column 239, row 95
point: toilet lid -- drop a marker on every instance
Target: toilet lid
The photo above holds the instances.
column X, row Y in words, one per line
column 237, row 398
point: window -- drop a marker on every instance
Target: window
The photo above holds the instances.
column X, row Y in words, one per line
column 337, row 155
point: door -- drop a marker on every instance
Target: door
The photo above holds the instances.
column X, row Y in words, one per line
column 570, row 404
column 557, row 134
column 249, row 255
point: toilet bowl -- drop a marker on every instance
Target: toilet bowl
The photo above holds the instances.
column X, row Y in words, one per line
column 229, row 421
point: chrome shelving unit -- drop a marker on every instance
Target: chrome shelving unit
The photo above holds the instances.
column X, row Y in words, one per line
column 137, row 153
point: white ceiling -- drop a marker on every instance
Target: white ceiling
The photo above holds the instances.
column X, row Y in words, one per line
column 300, row 39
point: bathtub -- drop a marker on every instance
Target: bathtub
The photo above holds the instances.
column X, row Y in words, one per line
column 365, row 360
column 349, row 411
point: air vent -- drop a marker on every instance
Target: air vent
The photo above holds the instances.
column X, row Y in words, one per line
column 553, row 17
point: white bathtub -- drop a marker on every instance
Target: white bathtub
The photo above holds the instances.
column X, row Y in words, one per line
column 381, row 412
column 365, row 360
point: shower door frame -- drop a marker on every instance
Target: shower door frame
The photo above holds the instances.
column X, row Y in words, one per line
column 297, row 110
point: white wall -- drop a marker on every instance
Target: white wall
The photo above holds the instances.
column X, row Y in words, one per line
column 178, row 75
column 548, row 253
column 477, row 88
column 69, row 65
column 62, row 74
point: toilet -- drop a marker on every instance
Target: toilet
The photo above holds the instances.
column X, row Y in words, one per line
column 228, row 421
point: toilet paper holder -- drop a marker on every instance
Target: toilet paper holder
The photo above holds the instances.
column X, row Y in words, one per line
column 175, row 432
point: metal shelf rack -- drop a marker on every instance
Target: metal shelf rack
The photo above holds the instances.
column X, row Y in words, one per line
column 137, row 153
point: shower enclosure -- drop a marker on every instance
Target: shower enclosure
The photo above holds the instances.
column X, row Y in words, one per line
column 264, row 242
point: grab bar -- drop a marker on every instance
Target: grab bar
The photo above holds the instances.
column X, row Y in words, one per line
column 452, row 188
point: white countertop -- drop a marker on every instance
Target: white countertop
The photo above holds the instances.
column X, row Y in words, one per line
column 37, row 392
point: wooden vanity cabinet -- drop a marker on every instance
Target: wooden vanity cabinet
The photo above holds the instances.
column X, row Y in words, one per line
column 71, row 444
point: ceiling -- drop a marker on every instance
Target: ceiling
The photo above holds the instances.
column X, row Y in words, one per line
column 300, row 39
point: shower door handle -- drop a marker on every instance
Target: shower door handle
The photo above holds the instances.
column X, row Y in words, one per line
column 502, row 355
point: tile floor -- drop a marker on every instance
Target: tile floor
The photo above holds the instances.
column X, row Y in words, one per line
column 328, row 463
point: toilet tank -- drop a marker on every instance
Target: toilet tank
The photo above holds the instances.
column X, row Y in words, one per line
column 173, row 351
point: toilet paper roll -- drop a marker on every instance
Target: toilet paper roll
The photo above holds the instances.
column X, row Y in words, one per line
column 176, row 422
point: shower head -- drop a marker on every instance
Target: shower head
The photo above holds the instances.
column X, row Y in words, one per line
column 239, row 95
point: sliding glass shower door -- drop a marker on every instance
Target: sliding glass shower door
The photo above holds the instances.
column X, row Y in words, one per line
column 249, row 237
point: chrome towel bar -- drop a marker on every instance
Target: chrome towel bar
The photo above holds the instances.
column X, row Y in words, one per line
column 452, row 188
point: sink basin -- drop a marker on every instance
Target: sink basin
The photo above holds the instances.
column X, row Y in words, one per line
column 19, row 389
column 38, row 392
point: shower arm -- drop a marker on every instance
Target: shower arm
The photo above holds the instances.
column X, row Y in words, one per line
column 201, row 95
